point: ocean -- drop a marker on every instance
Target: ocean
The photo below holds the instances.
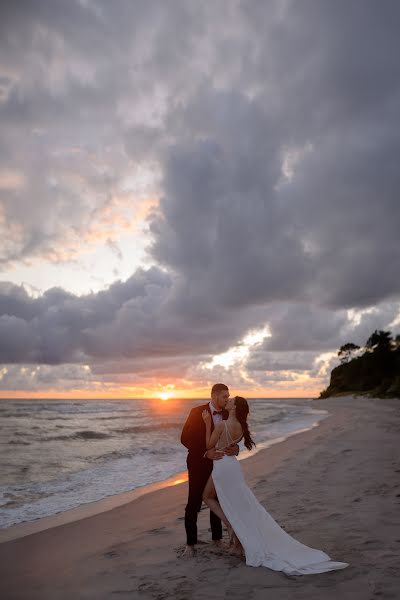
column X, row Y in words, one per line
column 60, row 454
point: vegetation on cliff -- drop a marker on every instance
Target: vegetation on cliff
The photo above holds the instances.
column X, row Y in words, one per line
column 372, row 370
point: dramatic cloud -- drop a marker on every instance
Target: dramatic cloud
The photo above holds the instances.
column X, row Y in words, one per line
column 138, row 318
column 238, row 162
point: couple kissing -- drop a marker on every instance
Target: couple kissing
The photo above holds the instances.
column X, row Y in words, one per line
column 211, row 434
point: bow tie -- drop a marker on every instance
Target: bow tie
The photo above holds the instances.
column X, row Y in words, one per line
column 217, row 412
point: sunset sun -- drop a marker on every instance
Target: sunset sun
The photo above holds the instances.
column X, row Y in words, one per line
column 165, row 396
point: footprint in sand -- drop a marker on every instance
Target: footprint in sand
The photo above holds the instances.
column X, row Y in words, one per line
column 110, row 554
column 154, row 589
column 158, row 530
column 372, row 544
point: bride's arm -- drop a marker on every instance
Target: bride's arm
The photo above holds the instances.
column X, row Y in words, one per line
column 215, row 436
column 211, row 438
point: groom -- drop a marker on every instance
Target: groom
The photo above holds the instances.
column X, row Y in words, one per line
column 200, row 462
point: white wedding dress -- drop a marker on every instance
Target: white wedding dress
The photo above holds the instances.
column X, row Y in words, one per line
column 265, row 543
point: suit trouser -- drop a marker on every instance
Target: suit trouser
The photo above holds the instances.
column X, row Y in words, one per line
column 199, row 471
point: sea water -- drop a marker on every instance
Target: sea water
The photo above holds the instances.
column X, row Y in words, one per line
column 59, row 454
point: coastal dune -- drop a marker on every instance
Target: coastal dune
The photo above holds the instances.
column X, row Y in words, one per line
column 335, row 487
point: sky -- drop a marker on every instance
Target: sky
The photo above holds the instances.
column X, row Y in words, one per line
column 195, row 192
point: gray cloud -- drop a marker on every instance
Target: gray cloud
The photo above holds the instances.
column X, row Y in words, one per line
column 273, row 127
column 136, row 319
column 43, row 377
column 328, row 235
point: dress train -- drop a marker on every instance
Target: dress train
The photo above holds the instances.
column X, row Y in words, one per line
column 265, row 543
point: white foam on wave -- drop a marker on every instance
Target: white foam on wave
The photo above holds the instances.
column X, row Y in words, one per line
column 117, row 474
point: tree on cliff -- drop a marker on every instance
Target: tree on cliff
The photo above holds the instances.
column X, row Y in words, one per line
column 375, row 372
column 380, row 341
column 346, row 351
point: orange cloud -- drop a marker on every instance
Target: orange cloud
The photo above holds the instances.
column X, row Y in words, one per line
column 124, row 214
column 11, row 180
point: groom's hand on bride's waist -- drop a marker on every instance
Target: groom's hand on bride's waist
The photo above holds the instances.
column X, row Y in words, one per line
column 214, row 454
column 232, row 450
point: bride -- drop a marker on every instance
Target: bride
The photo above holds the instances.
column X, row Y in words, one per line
column 255, row 532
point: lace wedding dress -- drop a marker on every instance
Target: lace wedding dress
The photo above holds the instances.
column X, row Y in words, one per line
column 264, row 542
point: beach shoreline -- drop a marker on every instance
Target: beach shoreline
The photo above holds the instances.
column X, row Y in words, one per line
column 335, row 487
column 94, row 507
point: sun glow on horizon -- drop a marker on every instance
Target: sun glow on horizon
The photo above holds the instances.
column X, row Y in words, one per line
column 303, row 387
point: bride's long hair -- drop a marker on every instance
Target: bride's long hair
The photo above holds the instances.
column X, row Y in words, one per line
column 242, row 410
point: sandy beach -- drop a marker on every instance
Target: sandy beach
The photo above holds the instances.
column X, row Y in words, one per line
column 335, row 487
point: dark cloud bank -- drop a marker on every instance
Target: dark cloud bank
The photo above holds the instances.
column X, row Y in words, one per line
column 276, row 135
